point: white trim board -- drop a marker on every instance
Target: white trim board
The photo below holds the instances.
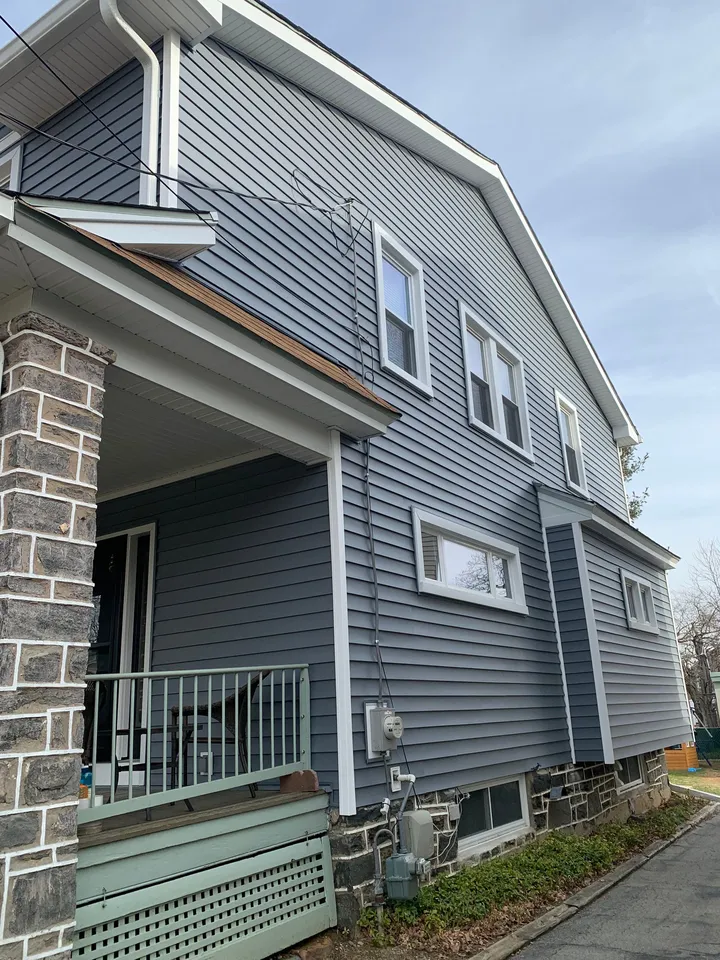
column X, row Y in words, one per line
column 170, row 119
column 279, row 45
column 197, row 471
column 594, row 643
column 558, row 638
column 341, row 630
column 172, row 235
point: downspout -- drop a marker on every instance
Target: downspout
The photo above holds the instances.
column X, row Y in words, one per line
column 151, row 96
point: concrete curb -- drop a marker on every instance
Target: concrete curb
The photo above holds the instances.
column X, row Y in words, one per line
column 519, row 938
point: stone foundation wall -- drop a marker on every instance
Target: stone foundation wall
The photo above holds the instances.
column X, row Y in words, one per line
column 50, row 419
column 584, row 796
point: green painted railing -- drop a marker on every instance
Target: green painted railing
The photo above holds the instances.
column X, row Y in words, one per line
column 162, row 737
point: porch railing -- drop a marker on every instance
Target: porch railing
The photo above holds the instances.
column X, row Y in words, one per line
column 163, row 737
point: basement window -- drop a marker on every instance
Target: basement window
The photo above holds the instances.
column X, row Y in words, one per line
column 639, row 603
column 629, row 772
column 401, row 311
column 463, row 563
column 495, row 380
column 492, row 813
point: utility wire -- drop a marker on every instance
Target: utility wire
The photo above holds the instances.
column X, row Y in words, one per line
column 219, row 188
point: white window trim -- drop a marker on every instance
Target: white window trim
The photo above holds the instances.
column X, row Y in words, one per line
column 385, row 244
column 651, row 627
column 563, row 404
column 623, row 787
column 496, row 345
column 479, row 843
column 473, row 538
column 11, row 164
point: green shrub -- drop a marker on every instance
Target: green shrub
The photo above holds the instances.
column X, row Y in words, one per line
column 556, row 864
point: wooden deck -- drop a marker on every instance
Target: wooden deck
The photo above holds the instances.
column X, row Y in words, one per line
column 213, row 806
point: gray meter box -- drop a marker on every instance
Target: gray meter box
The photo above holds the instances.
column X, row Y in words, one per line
column 383, row 729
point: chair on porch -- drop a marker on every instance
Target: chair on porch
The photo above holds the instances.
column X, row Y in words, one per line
column 223, row 712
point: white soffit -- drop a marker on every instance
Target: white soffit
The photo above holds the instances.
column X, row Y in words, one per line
column 166, row 234
column 76, row 42
column 73, row 39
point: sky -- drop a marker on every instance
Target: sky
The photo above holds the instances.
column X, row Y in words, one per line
column 604, row 118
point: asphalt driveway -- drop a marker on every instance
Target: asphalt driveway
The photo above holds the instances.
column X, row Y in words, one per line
column 670, row 907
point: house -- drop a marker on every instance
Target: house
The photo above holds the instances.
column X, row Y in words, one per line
column 300, row 430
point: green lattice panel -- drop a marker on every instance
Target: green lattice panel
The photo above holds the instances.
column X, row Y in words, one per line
column 245, row 910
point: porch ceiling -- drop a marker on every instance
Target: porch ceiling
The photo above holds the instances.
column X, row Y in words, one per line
column 153, row 435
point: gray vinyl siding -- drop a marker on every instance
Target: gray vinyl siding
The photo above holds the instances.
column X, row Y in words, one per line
column 243, row 577
column 51, row 169
column 572, row 622
column 480, row 689
column 641, row 671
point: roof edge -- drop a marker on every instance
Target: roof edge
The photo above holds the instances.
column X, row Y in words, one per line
column 558, row 507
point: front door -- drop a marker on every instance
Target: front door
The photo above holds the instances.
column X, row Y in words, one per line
column 121, row 637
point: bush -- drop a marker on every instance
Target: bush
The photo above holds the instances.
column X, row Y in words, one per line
column 554, row 865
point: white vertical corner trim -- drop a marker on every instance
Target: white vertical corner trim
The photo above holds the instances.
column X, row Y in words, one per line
column 170, row 129
column 341, row 630
column 586, row 588
column 556, row 621
column 151, row 96
column 680, row 675
column 10, row 166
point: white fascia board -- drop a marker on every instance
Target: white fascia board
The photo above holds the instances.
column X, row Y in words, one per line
column 169, row 234
column 221, row 346
column 558, row 508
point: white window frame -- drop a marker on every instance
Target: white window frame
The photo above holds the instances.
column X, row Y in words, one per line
column 11, row 167
column 565, row 406
column 621, row 785
column 633, row 622
column 471, row 537
column 478, row 843
column 388, row 247
column 496, row 347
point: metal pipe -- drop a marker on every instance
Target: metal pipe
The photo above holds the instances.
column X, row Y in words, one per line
column 378, row 881
column 410, row 778
column 151, row 96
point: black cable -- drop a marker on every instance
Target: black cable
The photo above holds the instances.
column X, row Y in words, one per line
column 78, row 98
column 210, row 188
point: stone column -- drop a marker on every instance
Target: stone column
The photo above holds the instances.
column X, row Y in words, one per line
column 50, row 418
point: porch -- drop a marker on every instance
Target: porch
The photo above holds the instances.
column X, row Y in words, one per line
column 189, row 843
column 213, row 573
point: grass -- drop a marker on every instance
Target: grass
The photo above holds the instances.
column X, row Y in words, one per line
column 541, row 872
column 707, row 778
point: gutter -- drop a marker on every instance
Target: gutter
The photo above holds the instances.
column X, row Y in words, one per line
column 151, row 96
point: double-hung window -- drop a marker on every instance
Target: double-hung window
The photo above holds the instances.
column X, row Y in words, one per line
column 492, row 813
column 461, row 562
column 571, row 444
column 401, row 311
column 639, row 603
column 495, row 380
